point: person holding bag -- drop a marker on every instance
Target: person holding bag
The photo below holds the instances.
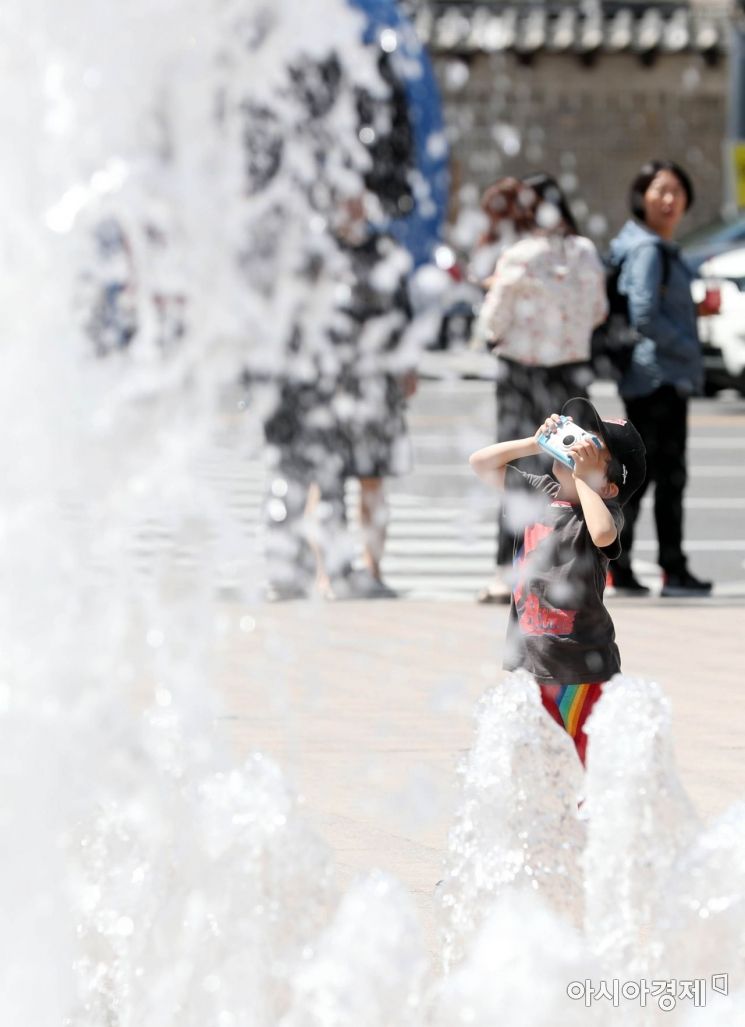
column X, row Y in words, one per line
column 665, row 368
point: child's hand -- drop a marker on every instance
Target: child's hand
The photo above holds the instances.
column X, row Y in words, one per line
column 549, row 427
column 590, row 462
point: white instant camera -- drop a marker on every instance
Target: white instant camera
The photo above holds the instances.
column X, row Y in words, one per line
column 559, row 443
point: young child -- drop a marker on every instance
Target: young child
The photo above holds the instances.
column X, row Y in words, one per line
column 559, row 630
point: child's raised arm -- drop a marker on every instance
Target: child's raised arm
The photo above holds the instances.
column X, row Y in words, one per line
column 489, row 463
column 593, row 489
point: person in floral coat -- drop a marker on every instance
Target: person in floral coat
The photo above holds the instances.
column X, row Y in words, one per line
column 546, row 295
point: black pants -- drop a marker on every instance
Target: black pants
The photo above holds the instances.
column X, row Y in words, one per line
column 525, row 397
column 662, row 421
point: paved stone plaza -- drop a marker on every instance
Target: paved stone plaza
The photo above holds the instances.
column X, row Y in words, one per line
column 368, row 707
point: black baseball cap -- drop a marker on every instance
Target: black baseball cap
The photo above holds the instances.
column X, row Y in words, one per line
column 628, row 464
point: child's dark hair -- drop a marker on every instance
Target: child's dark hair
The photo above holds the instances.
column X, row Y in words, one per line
column 644, row 178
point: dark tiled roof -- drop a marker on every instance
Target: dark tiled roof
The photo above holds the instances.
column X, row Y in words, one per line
column 466, row 27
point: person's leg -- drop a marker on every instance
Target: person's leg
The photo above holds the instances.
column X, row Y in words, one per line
column 510, row 390
column 288, row 557
column 289, row 560
column 671, row 481
column 498, row 589
column 549, row 696
column 526, row 395
column 373, row 523
column 570, row 706
column 311, row 516
column 677, row 579
column 330, row 528
column 514, row 394
column 643, row 414
column 373, row 513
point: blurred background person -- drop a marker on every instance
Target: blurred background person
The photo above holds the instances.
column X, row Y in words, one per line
column 337, row 409
column 546, row 295
column 665, row 369
column 106, row 297
column 509, row 213
column 377, row 376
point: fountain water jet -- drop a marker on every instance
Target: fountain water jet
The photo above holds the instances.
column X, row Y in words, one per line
column 130, row 843
column 517, row 826
column 369, row 965
column 517, row 970
column 180, row 886
column 640, row 820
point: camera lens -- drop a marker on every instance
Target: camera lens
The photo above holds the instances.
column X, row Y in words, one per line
column 568, row 440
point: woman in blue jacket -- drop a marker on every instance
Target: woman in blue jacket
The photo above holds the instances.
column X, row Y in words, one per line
column 666, row 367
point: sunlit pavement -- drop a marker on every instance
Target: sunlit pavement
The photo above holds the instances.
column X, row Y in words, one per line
column 368, row 705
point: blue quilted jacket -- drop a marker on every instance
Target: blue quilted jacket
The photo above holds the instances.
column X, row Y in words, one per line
column 662, row 312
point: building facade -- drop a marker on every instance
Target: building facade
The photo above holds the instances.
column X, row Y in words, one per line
column 587, row 91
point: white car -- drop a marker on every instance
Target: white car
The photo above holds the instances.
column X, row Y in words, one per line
column 723, row 334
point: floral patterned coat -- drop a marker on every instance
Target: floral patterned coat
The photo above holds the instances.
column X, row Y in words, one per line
column 546, row 296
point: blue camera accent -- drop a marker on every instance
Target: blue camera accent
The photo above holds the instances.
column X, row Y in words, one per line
column 559, row 443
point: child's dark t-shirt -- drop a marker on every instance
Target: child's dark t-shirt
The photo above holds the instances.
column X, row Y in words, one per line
column 559, row 630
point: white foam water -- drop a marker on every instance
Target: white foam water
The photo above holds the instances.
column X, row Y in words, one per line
column 198, row 891
column 517, row 970
column 639, row 821
column 147, row 880
column 701, row 907
column 658, row 895
column 368, row 967
column 517, row 825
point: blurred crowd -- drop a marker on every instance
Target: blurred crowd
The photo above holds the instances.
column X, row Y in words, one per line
column 553, row 313
column 556, row 316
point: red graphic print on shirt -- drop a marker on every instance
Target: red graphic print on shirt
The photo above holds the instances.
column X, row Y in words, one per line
column 535, row 618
